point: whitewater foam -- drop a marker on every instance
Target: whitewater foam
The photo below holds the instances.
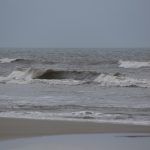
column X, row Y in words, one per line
column 121, row 81
column 75, row 116
column 7, row 60
column 18, row 77
column 133, row 64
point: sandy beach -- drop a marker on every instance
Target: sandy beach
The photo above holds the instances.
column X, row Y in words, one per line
column 19, row 128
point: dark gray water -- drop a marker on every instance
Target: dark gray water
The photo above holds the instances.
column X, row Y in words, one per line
column 103, row 85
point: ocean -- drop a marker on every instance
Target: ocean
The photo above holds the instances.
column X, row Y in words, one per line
column 99, row 85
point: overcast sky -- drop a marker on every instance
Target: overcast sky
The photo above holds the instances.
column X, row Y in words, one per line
column 75, row 23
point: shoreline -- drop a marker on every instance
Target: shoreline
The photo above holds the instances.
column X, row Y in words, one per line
column 13, row 128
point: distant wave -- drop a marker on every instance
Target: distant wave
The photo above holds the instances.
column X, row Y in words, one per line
column 73, row 78
column 10, row 60
column 133, row 64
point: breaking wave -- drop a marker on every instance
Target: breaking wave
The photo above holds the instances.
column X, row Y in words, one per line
column 133, row 64
column 72, row 78
column 48, row 76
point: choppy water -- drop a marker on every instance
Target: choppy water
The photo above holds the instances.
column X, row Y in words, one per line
column 103, row 85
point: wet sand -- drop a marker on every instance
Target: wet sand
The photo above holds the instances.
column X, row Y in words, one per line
column 20, row 128
column 80, row 142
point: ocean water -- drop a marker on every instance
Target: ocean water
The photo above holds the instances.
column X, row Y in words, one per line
column 100, row 85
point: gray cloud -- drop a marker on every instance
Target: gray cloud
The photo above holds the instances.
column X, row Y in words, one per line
column 74, row 23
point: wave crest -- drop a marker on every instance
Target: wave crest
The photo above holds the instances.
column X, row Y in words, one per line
column 11, row 60
column 58, row 74
column 45, row 76
column 72, row 78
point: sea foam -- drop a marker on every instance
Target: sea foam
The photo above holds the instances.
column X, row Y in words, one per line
column 7, row 60
column 121, row 81
column 133, row 64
